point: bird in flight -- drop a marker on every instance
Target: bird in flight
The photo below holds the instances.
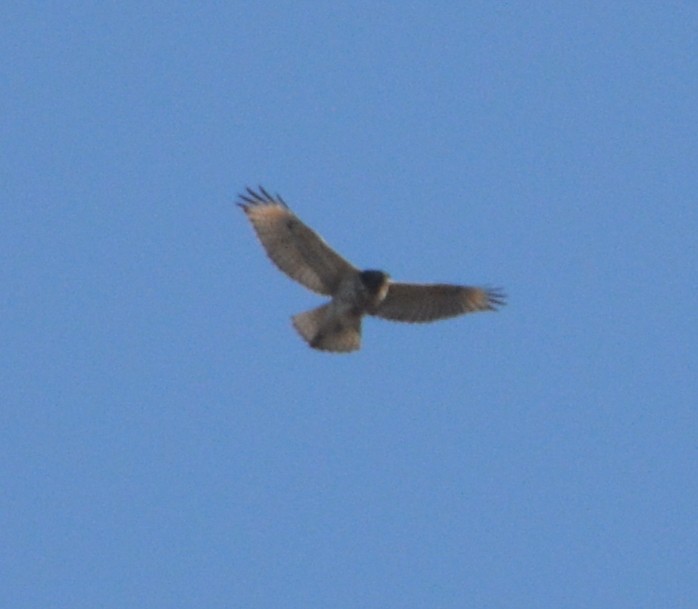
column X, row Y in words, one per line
column 336, row 325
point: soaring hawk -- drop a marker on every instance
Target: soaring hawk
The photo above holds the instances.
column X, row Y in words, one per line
column 336, row 326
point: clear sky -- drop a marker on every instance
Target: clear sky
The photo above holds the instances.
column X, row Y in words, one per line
column 167, row 440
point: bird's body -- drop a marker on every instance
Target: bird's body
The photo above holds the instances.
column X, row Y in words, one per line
column 336, row 326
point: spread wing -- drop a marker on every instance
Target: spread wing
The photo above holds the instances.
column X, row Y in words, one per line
column 414, row 302
column 294, row 247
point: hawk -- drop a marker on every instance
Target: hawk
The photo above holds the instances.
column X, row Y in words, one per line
column 336, row 325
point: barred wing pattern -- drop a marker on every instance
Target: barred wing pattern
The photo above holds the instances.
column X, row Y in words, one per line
column 294, row 247
column 415, row 302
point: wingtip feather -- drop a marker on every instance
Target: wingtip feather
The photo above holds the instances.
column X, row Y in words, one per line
column 260, row 196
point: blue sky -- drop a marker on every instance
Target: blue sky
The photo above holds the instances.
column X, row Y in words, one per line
column 166, row 438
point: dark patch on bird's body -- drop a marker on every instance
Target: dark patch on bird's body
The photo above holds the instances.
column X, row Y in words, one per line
column 356, row 311
column 373, row 280
column 361, row 292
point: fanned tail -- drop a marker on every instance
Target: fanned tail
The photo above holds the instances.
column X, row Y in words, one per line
column 325, row 330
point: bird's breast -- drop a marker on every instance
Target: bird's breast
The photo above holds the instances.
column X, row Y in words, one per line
column 357, row 297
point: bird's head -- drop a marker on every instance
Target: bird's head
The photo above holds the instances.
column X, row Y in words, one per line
column 376, row 282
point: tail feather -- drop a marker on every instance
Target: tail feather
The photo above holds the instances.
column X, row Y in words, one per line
column 325, row 330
